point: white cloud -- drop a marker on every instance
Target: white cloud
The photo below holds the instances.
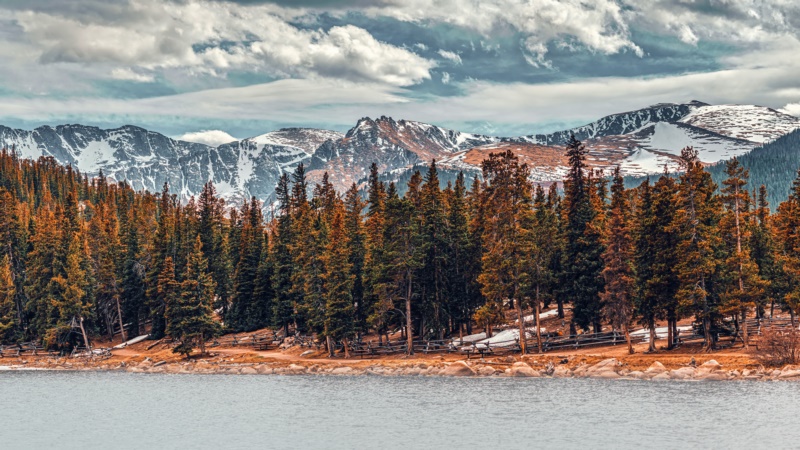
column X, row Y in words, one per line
column 451, row 56
column 445, row 78
column 600, row 25
column 127, row 74
column 213, row 138
column 792, row 109
column 145, row 35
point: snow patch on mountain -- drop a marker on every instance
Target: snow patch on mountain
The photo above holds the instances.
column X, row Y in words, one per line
column 749, row 122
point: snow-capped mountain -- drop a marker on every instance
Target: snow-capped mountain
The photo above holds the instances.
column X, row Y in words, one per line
column 391, row 145
column 640, row 142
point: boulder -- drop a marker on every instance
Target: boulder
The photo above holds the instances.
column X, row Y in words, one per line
column 661, row 377
column 486, row 371
column 458, row 369
column 789, row 373
column 248, row 371
column 712, row 376
column 709, row 367
column 521, row 369
column 655, row 369
column 306, row 353
column 562, row 372
column 606, row 365
column 342, row 371
column 684, row 373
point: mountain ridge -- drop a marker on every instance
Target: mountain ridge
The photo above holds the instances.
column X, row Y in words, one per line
column 641, row 142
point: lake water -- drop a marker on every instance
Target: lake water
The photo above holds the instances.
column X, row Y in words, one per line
column 109, row 410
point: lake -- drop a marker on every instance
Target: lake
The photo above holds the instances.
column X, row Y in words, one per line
column 110, row 410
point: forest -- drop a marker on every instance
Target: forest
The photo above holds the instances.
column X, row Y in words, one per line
column 86, row 257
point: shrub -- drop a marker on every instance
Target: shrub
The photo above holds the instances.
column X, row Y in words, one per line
column 778, row 347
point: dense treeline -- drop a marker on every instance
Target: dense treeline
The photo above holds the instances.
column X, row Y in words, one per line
column 85, row 257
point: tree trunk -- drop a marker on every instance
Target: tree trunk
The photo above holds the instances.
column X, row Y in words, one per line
column 745, row 336
column 83, row 332
column 560, row 304
column 346, row 349
column 670, row 337
column 329, row 344
column 538, row 322
column 523, row 343
column 652, row 325
column 628, row 338
column 409, row 333
column 121, row 325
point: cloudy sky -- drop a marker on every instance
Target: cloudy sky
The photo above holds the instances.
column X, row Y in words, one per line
column 208, row 70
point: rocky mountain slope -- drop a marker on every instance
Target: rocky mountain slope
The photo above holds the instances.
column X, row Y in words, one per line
column 640, row 142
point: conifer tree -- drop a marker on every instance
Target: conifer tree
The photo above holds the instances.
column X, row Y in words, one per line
column 9, row 325
column 433, row 239
column 582, row 265
column 618, row 273
column 281, row 257
column 507, row 202
column 788, row 236
column 190, row 313
column 460, row 273
column 162, row 248
column 355, row 240
column 743, row 286
column 400, row 261
column 339, row 309
column 540, row 244
column 696, row 221
column 763, row 251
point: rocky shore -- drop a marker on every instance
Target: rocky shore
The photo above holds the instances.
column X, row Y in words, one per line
column 610, row 368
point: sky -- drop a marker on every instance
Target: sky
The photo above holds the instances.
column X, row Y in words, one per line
column 217, row 70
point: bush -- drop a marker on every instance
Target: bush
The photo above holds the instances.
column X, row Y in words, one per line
column 779, row 347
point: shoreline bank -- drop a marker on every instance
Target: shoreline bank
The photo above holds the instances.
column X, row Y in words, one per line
column 229, row 362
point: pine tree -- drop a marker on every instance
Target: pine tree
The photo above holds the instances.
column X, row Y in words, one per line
column 539, row 245
column 281, row 257
column 618, row 273
column 762, row 251
column 787, row 225
column 582, row 265
column 162, row 248
column 400, row 261
column 507, row 197
column 743, row 285
column 339, row 309
column 190, row 315
column 696, row 221
column 460, row 275
column 9, row 325
column 355, row 240
column 433, row 237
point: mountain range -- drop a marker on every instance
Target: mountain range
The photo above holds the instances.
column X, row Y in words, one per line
column 640, row 142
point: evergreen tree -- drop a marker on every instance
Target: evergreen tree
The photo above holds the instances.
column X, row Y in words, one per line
column 581, row 277
column 190, row 313
column 355, row 240
column 743, row 285
column 618, row 273
column 281, row 257
column 9, row 324
column 787, row 227
column 433, row 238
column 507, row 202
column 338, row 278
column 696, row 221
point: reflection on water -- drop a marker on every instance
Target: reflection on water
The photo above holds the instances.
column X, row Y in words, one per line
column 121, row 410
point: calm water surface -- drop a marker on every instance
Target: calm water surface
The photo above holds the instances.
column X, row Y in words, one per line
column 99, row 410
